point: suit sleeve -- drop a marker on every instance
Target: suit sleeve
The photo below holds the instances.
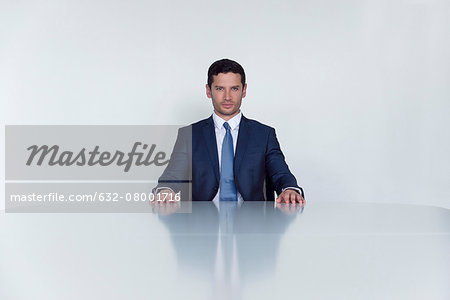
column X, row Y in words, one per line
column 177, row 174
column 277, row 169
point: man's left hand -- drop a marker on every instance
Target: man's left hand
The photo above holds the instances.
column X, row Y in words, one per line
column 290, row 196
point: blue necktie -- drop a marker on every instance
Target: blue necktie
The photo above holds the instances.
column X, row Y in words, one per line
column 227, row 186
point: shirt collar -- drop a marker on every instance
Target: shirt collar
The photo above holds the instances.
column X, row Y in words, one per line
column 233, row 122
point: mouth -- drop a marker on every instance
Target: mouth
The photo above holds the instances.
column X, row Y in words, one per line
column 227, row 105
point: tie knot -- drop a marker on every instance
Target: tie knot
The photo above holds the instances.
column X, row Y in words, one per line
column 226, row 125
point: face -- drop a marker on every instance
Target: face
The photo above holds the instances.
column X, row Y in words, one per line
column 226, row 93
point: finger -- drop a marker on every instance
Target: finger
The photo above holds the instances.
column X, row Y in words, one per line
column 298, row 198
column 293, row 197
column 287, row 198
column 282, row 198
column 303, row 201
column 172, row 197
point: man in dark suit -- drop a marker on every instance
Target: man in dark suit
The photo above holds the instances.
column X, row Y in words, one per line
column 227, row 156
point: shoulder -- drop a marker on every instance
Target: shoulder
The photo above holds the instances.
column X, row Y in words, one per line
column 195, row 125
column 202, row 122
column 256, row 125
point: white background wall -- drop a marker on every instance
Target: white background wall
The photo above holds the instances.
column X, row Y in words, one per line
column 359, row 91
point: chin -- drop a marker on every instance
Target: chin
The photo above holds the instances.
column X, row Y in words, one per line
column 229, row 113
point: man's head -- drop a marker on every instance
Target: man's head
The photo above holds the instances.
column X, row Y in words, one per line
column 226, row 87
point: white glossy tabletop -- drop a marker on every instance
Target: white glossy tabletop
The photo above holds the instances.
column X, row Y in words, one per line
column 256, row 251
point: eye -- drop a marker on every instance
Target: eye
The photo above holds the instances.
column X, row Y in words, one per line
column 235, row 88
column 219, row 88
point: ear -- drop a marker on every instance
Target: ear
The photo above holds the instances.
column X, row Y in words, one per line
column 208, row 91
column 244, row 91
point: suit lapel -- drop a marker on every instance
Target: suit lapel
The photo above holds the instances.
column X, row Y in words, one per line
column 211, row 144
column 242, row 143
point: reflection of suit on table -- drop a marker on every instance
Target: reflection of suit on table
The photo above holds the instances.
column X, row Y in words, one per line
column 259, row 164
column 256, row 226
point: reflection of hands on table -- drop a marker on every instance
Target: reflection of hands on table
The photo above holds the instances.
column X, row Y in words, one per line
column 290, row 209
column 165, row 208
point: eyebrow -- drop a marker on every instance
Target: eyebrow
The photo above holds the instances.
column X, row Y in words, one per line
column 234, row 86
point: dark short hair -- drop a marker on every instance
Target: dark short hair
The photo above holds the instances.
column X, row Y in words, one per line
column 224, row 66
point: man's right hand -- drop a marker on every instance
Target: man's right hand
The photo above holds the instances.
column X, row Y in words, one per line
column 165, row 195
column 164, row 202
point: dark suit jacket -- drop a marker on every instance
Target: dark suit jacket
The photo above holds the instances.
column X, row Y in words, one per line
column 259, row 165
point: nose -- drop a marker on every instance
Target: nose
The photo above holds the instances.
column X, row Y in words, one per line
column 227, row 95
